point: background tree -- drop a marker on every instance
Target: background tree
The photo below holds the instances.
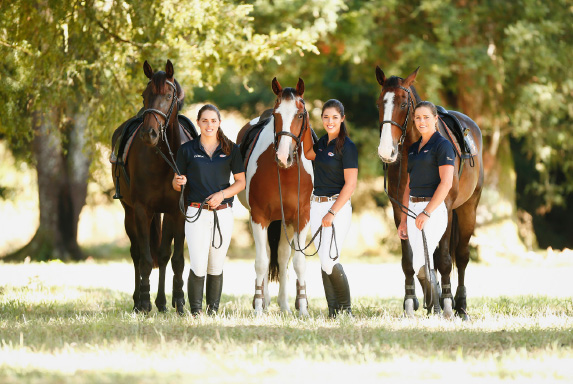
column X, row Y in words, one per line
column 70, row 72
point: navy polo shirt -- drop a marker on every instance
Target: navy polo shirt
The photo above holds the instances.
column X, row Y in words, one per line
column 423, row 167
column 329, row 166
column 206, row 175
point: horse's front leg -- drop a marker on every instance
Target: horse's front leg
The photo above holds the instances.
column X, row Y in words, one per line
column 411, row 302
column 143, row 223
column 444, row 264
column 166, row 231
column 284, row 252
column 261, row 266
column 178, row 264
column 299, row 265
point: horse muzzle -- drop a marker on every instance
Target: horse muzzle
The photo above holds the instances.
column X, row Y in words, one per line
column 149, row 136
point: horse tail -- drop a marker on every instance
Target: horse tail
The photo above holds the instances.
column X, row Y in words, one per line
column 155, row 238
column 274, row 236
column 454, row 237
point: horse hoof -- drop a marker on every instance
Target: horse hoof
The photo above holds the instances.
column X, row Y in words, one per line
column 162, row 308
column 303, row 314
column 409, row 308
column 448, row 312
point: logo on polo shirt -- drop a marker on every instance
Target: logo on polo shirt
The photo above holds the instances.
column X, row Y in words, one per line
column 425, row 151
column 448, row 158
column 198, row 156
column 330, row 154
column 223, row 155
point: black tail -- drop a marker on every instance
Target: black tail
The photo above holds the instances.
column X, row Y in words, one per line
column 274, row 236
column 454, row 237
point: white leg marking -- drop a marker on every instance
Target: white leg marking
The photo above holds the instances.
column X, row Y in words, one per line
column 386, row 142
column 284, row 257
column 448, row 311
column 409, row 308
column 261, row 260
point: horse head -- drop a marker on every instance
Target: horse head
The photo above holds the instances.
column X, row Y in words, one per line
column 395, row 105
column 291, row 119
column 162, row 99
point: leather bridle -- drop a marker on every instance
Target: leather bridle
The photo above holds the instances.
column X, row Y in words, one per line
column 404, row 126
column 154, row 112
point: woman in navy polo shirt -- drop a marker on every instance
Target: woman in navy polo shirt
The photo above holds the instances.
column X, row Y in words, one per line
column 430, row 176
column 206, row 165
column 335, row 176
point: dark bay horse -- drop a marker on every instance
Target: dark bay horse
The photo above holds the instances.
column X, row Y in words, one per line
column 397, row 132
column 277, row 155
column 147, row 192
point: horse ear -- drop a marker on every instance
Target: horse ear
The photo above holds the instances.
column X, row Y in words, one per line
column 410, row 79
column 169, row 69
column 276, row 86
column 380, row 76
column 300, row 87
column 147, row 70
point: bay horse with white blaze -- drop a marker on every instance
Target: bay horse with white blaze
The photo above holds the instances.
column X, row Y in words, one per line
column 278, row 190
column 145, row 184
column 396, row 103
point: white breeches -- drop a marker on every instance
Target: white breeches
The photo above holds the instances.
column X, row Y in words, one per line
column 341, row 223
column 434, row 230
column 204, row 258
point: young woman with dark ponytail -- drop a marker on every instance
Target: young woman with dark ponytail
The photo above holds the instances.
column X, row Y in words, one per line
column 335, row 175
column 206, row 165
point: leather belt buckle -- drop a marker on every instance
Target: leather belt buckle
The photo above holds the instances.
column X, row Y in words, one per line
column 415, row 199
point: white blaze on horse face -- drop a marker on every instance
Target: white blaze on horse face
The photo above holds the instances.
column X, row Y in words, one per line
column 386, row 146
column 287, row 109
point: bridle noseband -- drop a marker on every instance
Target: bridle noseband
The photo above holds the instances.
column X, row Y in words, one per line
column 167, row 117
column 404, row 126
column 298, row 138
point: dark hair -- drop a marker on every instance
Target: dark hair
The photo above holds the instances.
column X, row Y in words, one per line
column 226, row 143
column 427, row 104
column 343, row 134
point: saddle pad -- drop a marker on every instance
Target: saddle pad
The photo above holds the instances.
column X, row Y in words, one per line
column 463, row 142
column 250, row 139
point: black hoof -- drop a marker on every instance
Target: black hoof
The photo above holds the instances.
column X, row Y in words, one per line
column 179, row 305
column 416, row 303
column 162, row 308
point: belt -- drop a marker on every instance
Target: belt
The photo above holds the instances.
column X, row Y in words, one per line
column 323, row 199
column 207, row 207
column 415, row 199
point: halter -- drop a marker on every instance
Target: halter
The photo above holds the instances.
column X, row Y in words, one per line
column 285, row 133
column 404, row 126
column 155, row 112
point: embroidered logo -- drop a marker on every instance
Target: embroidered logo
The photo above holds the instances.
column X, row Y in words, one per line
column 223, row 155
column 198, row 156
column 449, row 158
column 425, row 151
column 330, row 154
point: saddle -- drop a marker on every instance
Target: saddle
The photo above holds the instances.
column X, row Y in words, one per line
column 459, row 135
column 122, row 139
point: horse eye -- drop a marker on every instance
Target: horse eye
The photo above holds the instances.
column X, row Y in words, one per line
column 403, row 106
column 300, row 116
column 168, row 96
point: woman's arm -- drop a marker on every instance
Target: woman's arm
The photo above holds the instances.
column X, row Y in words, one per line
column 446, row 180
column 350, row 181
column 307, row 145
column 216, row 198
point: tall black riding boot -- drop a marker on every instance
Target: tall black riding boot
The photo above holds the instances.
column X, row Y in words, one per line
column 341, row 288
column 213, row 292
column 195, row 292
column 330, row 295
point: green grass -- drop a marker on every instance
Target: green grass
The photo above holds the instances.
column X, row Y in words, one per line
column 54, row 333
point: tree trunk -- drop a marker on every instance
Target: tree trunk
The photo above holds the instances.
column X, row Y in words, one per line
column 62, row 187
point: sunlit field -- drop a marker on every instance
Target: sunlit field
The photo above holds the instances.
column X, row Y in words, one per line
column 73, row 323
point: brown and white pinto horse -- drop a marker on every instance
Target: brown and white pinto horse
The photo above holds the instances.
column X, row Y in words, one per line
column 147, row 192
column 397, row 132
column 275, row 152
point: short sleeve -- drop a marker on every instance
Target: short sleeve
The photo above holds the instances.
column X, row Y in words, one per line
column 181, row 161
column 349, row 155
column 446, row 154
column 237, row 165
